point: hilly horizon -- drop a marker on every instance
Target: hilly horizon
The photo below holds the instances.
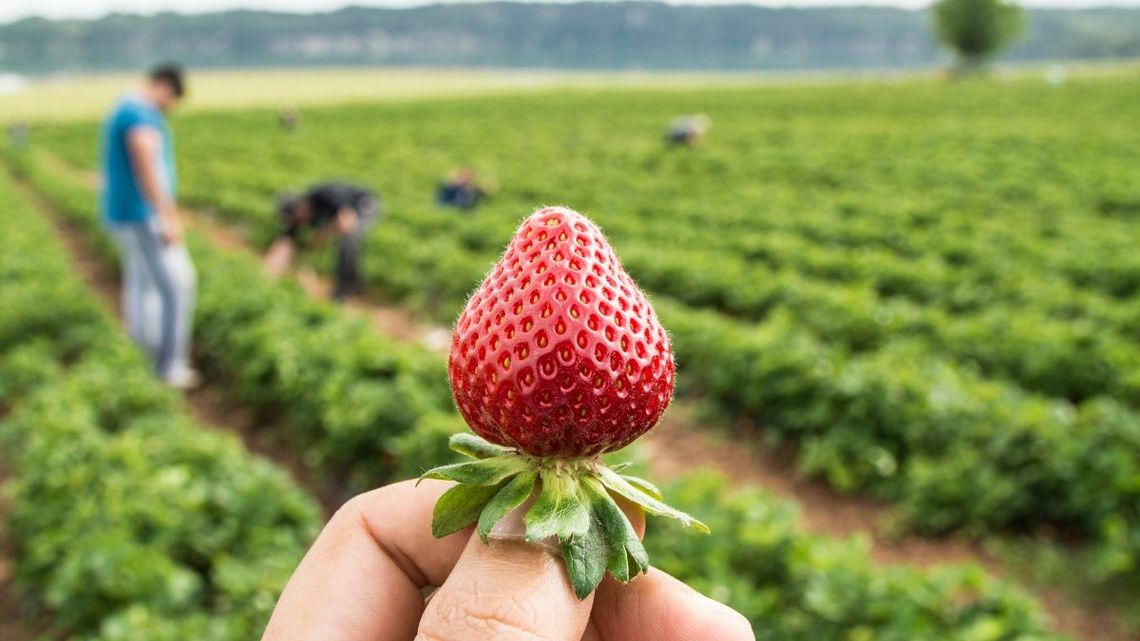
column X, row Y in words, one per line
column 585, row 35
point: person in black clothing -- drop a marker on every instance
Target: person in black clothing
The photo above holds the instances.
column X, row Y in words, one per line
column 328, row 209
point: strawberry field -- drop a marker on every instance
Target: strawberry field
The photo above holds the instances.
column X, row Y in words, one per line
column 928, row 295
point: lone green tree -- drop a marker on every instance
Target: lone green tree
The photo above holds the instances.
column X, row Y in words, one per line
column 977, row 29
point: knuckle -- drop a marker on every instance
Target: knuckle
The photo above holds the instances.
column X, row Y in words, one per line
column 355, row 510
column 351, row 509
column 485, row 619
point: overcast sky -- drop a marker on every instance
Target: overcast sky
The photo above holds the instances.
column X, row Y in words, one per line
column 13, row 9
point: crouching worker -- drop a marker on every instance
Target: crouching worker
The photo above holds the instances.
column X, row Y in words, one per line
column 463, row 190
column 329, row 209
column 688, row 130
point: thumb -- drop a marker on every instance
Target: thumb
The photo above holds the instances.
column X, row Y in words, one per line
column 506, row 590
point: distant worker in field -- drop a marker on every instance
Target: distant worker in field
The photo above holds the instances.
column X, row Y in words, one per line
column 328, row 209
column 463, row 190
column 18, row 134
column 289, row 118
column 139, row 210
column 688, row 130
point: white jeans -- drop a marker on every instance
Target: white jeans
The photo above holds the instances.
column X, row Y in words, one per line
column 158, row 294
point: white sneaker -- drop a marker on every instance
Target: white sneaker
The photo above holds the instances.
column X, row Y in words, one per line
column 183, row 379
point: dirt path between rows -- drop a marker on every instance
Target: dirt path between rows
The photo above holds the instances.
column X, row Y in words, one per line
column 679, row 444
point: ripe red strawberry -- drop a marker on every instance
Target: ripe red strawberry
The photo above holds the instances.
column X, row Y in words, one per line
column 557, row 358
column 558, row 353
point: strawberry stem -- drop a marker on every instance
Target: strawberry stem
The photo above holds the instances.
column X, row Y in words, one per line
column 575, row 504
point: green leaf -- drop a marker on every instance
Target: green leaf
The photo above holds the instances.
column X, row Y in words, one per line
column 511, row 496
column 559, row 510
column 487, row 471
column 585, row 557
column 618, row 564
column 638, row 557
column 623, row 488
column 643, row 485
column 622, row 542
column 459, row 507
column 476, row 447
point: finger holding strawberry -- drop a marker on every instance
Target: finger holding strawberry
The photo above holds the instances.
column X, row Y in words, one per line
column 557, row 359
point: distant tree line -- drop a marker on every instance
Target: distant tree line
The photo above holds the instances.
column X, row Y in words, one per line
column 590, row 35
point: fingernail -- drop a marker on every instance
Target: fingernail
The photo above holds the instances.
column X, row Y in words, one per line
column 728, row 618
column 710, row 606
column 512, row 528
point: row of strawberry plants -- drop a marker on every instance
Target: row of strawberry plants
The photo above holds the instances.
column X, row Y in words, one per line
column 786, row 582
column 1070, row 358
column 928, row 281
column 129, row 521
column 952, row 450
column 795, row 586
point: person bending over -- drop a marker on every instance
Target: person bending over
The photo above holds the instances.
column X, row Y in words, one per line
column 326, row 210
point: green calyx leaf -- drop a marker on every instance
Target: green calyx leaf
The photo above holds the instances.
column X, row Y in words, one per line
column 511, row 495
column 559, row 510
column 610, row 543
column 643, row 485
column 459, row 507
column 586, row 559
column 488, row 471
column 627, row 556
column 575, row 503
column 475, row 447
column 621, row 486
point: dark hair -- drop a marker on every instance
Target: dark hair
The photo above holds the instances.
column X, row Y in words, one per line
column 171, row 74
column 287, row 203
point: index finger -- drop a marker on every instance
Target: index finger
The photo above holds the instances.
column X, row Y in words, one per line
column 364, row 576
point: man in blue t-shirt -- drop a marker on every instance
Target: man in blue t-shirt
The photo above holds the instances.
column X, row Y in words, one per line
column 138, row 207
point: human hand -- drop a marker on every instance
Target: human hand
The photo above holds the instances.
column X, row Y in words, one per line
column 346, row 221
column 279, row 257
column 364, row 577
column 172, row 228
